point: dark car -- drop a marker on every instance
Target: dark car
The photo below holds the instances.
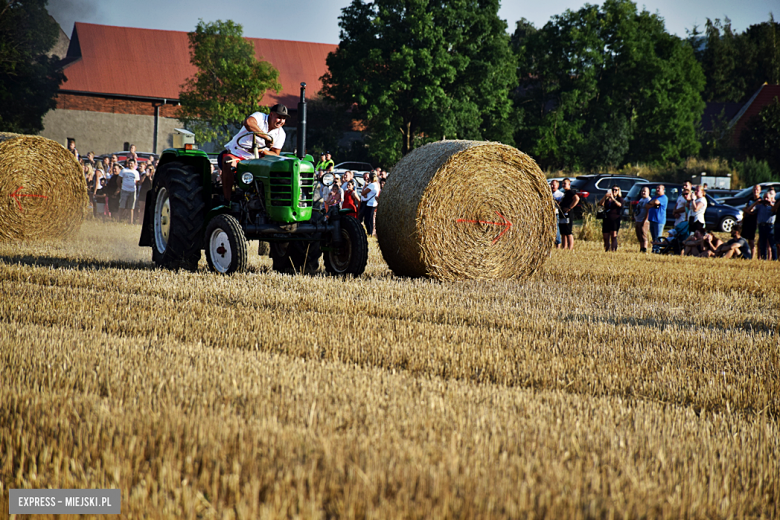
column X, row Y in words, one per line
column 741, row 198
column 720, row 217
column 592, row 187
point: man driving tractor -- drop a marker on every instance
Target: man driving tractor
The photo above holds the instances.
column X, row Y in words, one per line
column 269, row 135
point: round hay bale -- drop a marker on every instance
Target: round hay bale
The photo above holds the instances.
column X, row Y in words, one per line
column 456, row 210
column 43, row 193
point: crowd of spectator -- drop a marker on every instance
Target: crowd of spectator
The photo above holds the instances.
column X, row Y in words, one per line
column 117, row 189
column 362, row 202
column 688, row 232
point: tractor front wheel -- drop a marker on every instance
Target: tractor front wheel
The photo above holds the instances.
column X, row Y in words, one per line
column 351, row 257
column 226, row 245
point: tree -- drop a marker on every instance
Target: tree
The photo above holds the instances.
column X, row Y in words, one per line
column 421, row 70
column 737, row 64
column 761, row 137
column 604, row 86
column 229, row 84
column 29, row 79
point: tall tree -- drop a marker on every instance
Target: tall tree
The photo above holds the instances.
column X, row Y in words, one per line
column 423, row 69
column 229, row 84
column 29, row 80
column 606, row 85
column 761, row 137
column 737, row 64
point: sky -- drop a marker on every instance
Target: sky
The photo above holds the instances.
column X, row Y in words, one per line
column 317, row 20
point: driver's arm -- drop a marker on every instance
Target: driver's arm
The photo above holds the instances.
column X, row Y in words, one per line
column 250, row 123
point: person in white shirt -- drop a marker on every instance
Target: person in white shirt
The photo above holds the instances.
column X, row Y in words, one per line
column 696, row 209
column 680, row 212
column 265, row 130
column 369, row 204
column 130, row 179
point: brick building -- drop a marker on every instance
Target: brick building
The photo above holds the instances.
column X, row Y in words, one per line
column 123, row 85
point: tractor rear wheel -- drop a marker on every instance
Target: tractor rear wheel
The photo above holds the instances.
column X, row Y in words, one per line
column 351, row 256
column 225, row 245
column 179, row 212
column 296, row 256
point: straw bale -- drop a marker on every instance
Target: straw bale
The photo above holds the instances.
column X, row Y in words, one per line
column 43, row 193
column 446, row 208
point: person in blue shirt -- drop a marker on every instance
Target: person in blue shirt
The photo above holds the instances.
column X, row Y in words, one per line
column 657, row 212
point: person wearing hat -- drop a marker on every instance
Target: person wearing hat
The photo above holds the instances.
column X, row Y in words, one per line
column 328, row 161
column 321, row 166
column 265, row 130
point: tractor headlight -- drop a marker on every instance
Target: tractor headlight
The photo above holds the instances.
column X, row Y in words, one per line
column 247, row 178
column 327, row 179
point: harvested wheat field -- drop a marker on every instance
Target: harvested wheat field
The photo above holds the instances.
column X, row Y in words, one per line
column 606, row 386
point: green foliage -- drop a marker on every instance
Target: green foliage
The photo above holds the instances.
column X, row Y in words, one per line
column 29, row 80
column 753, row 171
column 422, row 70
column 229, row 84
column 737, row 64
column 761, row 136
column 603, row 86
column 327, row 122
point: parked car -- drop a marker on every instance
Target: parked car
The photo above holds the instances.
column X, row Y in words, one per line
column 720, row 217
column 719, row 193
column 358, row 168
column 592, row 187
column 740, row 199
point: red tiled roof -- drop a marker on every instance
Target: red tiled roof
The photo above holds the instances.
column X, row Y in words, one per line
column 760, row 99
column 159, row 63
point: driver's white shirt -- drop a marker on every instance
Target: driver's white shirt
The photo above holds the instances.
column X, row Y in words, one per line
column 241, row 144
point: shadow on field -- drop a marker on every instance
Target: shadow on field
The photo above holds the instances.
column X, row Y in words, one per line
column 79, row 264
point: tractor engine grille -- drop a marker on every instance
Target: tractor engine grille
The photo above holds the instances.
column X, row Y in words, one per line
column 307, row 190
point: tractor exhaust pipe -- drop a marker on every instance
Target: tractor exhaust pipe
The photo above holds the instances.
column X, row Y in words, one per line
column 301, row 144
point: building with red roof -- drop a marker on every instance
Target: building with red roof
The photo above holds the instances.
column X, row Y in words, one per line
column 763, row 97
column 123, row 85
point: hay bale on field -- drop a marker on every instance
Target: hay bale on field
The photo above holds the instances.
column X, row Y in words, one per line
column 455, row 210
column 43, row 193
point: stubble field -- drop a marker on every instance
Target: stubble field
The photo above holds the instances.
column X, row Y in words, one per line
column 607, row 386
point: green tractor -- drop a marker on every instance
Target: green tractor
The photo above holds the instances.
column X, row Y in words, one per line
column 274, row 204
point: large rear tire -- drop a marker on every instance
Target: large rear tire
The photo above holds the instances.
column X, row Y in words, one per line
column 296, row 257
column 225, row 245
column 178, row 215
column 351, row 257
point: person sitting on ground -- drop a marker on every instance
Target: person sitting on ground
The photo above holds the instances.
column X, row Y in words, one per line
column 737, row 247
column 710, row 242
column 265, row 130
column 693, row 245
